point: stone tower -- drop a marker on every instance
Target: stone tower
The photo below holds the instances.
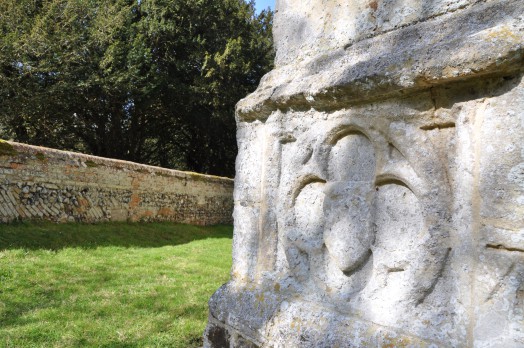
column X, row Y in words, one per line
column 379, row 195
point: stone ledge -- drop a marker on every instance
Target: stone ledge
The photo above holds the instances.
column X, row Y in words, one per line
column 286, row 320
column 486, row 39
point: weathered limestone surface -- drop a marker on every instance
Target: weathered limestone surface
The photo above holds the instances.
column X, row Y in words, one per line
column 379, row 195
column 42, row 183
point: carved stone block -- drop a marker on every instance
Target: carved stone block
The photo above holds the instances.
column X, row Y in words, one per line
column 379, row 196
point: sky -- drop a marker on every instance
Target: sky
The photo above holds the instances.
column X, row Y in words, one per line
column 263, row 4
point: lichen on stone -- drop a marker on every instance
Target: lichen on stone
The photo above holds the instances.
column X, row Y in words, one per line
column 7, row 149
column 41, row 157
column 91, row 164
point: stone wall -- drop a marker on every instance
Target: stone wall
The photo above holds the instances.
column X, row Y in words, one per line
column 42, row 183
column 379, row 193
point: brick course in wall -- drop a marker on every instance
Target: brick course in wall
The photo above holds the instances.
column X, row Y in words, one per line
column 61, row 186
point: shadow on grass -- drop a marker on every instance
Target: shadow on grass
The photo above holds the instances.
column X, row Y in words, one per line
column 50, row 236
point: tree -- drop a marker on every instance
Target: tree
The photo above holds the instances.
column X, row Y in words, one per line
column 153, row 81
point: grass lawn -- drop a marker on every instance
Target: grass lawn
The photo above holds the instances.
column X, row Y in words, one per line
column 109, row 285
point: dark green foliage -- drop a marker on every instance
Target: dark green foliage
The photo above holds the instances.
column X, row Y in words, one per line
column 152, row 81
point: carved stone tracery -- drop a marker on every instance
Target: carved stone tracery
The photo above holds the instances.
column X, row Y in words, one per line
column 350, row 222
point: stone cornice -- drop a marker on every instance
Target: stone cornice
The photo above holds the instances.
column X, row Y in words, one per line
column 483, row 40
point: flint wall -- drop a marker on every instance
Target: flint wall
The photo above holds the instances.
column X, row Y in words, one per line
column 43, row 183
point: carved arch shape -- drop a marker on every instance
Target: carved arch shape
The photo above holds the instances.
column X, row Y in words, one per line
column 348, row 203
column 393, row 179
column 302, row 183
column 305, row 222
column 400, row 236
column 343, row 130
column 308, row 223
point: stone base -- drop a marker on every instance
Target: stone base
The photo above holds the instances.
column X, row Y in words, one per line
column 292, row 322
column 218, row 334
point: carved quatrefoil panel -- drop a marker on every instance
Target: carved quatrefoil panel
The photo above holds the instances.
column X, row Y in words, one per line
column 359, row 228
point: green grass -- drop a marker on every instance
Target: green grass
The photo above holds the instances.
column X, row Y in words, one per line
column 109, row 285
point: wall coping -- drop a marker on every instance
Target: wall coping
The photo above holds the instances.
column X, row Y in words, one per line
column 22, row 148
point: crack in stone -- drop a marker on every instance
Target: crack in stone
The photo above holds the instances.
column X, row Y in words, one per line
column 499, row 284
column 427, row 292
column 433, row 126
column 504, row 248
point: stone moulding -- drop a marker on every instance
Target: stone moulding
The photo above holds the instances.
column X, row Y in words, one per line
column 483, row 40
column 379, row 193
